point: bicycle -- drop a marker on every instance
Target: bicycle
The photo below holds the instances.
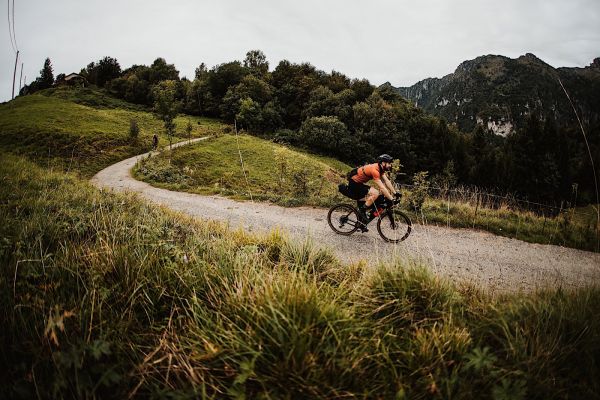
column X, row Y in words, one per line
column 393, row 225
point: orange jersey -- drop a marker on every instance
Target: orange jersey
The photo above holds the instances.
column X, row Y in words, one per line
column 366, row 173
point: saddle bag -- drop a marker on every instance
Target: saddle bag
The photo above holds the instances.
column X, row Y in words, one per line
column 344, row 189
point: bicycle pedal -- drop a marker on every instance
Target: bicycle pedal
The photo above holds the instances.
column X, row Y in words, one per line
column 363, row 228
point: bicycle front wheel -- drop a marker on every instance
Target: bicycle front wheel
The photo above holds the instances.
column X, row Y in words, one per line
column 394, row 227
column 343, row 219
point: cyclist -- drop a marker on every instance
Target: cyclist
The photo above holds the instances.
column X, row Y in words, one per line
column 358, row 189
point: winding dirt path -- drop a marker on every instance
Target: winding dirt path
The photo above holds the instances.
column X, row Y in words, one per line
column 492, row 262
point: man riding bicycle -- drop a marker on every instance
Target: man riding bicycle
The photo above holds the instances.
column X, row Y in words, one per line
column 358, row 190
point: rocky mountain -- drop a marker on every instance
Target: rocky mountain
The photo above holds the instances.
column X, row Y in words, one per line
column 499, row 93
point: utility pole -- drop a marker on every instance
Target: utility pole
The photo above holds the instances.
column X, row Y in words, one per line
column 20, row 77
column 15, row 74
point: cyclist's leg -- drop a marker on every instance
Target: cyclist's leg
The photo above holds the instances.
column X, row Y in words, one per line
column 371, row 197
column 360, row 192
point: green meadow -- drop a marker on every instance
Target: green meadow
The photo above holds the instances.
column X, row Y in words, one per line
column 56, row 130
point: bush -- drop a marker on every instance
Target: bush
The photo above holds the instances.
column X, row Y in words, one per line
column 134, row 129
column 418, row 193
column 323, row 133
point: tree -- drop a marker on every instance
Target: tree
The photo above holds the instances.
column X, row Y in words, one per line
column 324, row 133
column 201, row 71
column 218, row 81
column 389, row 94
column 250, row 87
column 293, row 84
column 108, row 69
column 271, row 117
column 197, row 97
column 321, row 102
column 257, row 63
column 165, row 106
column 102, row 72
column 362, row 88
column 46, row 78
column 250, row 115
column 161, row 71
column 337, row 81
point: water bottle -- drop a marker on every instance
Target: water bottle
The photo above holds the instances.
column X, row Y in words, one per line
column 377, row 212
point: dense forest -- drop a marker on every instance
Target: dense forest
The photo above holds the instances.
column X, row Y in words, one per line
column 354, row 121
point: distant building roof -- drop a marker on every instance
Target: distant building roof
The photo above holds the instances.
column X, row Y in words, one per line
column 73, row 76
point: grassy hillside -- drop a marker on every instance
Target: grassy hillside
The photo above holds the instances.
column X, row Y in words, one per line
column 92, row 97
column 57, row 130
column 273, row 172
column 103, row 295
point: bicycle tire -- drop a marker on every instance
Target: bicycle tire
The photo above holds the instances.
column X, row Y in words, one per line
column 340, row 211
column 397, row 231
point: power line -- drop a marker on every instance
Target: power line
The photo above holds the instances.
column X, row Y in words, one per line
column 589, row 153
column 13, row 25
column 10, row 29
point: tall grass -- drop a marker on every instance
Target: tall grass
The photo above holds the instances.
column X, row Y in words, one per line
column 103, row 295
column 574, row 228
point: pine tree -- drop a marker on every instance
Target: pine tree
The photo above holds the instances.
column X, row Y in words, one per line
column 46, row 78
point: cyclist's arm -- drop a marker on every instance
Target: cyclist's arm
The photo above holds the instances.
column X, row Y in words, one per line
column 389, row 184
column 384, row 190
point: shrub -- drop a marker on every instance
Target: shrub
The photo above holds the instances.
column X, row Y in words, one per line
column 419, row 192
column 134, row 129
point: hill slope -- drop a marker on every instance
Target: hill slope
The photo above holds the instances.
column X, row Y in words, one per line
column 270, row 171
column 53, row 127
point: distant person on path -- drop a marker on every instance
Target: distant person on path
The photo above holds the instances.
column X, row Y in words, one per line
column 154, row 142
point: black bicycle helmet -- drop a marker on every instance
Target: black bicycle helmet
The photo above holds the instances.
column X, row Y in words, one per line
column 385, row 158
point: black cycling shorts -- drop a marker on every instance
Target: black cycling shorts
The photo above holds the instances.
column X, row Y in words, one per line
column 357, row 191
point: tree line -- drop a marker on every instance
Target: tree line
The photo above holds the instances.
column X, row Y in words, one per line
column 354, row 121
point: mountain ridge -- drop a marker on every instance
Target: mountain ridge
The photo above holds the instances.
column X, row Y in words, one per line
column 499, row 93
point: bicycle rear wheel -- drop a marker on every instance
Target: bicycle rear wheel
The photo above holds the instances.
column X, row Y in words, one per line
column 343, row 219
column 394, row 226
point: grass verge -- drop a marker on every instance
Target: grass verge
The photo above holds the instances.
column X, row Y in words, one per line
column 102, row 295
column 572, row 228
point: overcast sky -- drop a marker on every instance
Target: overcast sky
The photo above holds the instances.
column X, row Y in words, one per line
column 398, row 41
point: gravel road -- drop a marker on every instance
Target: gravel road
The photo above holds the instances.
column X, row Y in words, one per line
column 495, row 263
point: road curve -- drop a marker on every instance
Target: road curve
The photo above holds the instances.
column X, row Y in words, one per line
column 495, row 263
